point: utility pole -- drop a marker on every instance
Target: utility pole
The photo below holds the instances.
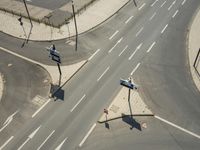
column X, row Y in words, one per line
column 28, row 13
column 75, row 25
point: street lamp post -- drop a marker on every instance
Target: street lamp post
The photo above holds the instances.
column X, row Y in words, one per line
column 28, row 13
column 75, row 25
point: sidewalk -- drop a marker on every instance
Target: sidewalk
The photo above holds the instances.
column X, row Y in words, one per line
column 193, row 47
column 94, row 15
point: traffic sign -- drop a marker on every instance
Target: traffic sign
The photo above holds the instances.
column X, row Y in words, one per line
column 128, row 84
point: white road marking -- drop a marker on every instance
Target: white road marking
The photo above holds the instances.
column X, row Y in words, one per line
column 183, row 2
column 123, row 50
column 103, row 74
column 131, row 17
column 178, row 127
column 135, row 69
column 93, row 54
column 29, row 0
column 154, row 3
column 139, row 46
column 41, row 108
column 6, row 142
column 151, row 47
column 87, row 135
column 61, row 144
column 171, row 5
column 163, row 30
column 139, row 31
column 29, row 137
column 78, row 103
column 142, row 6
column 152, row 16
column 115, row 45
column 111, row 37
column 163, row 3
column 175, row 14
column 8, row 120
column 46, row 140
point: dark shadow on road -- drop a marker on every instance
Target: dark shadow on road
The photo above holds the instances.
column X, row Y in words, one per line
column 57, row 92
column 132, row 122
column 107, row 125
column 134, row 1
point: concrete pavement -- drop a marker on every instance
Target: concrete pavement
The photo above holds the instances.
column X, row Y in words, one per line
column 1, row 85
column 193, row 47
column 100, row 11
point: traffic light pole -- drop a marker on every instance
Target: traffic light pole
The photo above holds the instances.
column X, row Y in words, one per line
column 28, row 13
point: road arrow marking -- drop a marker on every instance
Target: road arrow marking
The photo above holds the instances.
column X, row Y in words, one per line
column 8, row 120
column 115, row 44
column 138, row 47
column 61, row 144
column 29, row 137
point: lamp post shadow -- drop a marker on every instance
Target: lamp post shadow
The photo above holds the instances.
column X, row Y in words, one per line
column 129, row 118
column 134, row 1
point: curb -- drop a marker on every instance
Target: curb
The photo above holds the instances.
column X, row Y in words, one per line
column 83, row 32
column 136, row 115
column 54, row 92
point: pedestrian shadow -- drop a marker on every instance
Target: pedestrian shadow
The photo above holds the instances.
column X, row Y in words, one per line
column 57, row 93
column 107, row 126
column 132, row 122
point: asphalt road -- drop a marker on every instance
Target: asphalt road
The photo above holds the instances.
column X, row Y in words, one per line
column 21, row 79
column 163, row 75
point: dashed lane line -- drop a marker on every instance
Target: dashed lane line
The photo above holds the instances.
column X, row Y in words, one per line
column 123, row 50
column 154, row 14
column 152, row 45
column 137, row 66
column 129, row 19
column 138, row 33
column 61, row 144
column 87, row 135
column 112, row 36
column 41, row 108
column 46, row 140
column 142, row 6
column 163, row 3
column 138, row 47
column 103, row 74
column 163, row 30
column 154, row 3
column 78, row 103
column 175, row 14
column 183, row 2
column 93, row 54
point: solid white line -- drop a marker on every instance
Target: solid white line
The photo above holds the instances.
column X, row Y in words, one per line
column 139, row 31
column 78, row 103
column 87, row 135
column 61, row 144
column 24, row 143
column 154, row 3
column 41, row 108
column 46, row 140
column 163, row 30
column 135, row 51
column 111, row 37
column 128, row 19
column 135, row 69
column 115, row 45
column 178, row 127
column 142, row 6
column 175, row 13
column 6, row 142
column 152, row 16
column 151, row 47
column 94, row 54
column 103, row 74
column 183, row 2
column 123, row 50
column 163, row 3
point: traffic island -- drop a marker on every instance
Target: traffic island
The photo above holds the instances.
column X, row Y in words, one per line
column 127, row 103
